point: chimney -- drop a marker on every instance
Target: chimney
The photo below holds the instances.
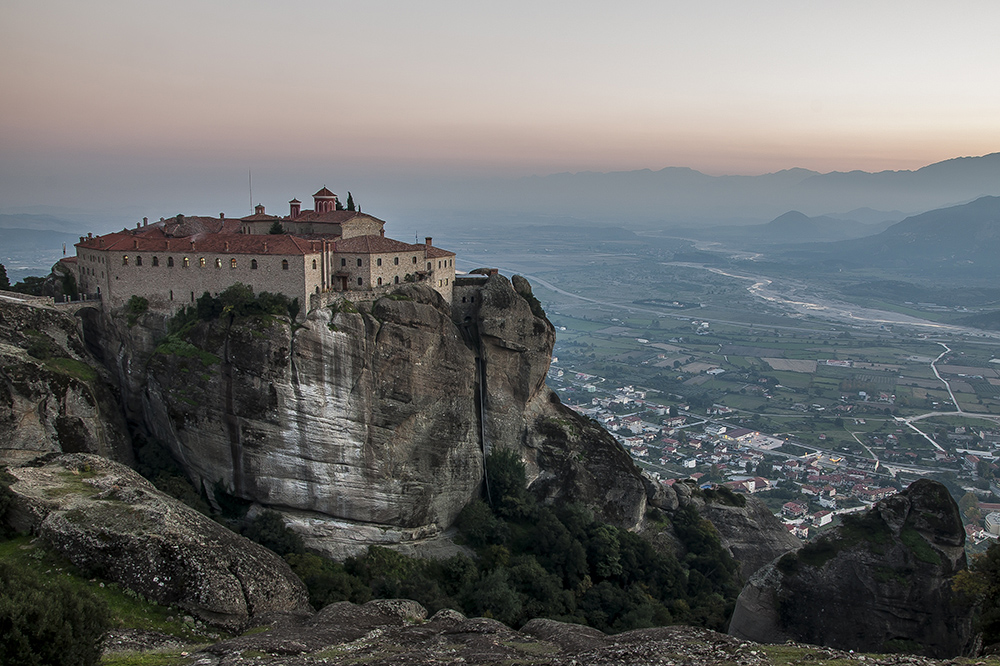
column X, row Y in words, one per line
column 383, row 233
column 145, row 221
column 90, row 235
column 222, row 216
column 427, row 241
column 83, row 238
column 137, row 225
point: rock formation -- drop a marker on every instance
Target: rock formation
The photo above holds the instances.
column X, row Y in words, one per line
column 53, row 395
column 112, row 523
column 879, row 582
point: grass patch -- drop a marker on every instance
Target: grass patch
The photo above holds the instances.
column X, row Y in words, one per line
column 171, row 658
column 72, row 367
column 173, row 345
column 919, row 546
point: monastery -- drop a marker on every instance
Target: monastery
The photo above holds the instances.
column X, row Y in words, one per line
column 320, row 254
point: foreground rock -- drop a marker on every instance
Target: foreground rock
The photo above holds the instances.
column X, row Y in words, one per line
column 881, row 582
column 112, row 523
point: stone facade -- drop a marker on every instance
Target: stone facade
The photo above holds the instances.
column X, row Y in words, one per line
column 173, row 262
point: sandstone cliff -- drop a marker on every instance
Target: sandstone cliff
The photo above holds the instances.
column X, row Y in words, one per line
column 112, row 523
column 54, row 396
column 880, row 582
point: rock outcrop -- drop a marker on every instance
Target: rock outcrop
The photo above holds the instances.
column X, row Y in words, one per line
column 879, row 582
column 112, row 523
column 54, row 395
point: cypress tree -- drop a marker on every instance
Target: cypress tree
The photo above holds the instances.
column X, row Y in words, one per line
column 350, row 201
column 4, row 282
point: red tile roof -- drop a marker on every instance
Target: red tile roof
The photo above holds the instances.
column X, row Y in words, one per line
column 278, row 244
column 374, row 244
column 436, row 252
column 324, row 193
column 334, row 216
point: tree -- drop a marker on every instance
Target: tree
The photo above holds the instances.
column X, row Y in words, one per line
column 4, row 281
column 350, row 201
column 672, row 410
column 276, row 228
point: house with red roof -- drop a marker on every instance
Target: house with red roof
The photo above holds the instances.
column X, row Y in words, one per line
column 312, row 255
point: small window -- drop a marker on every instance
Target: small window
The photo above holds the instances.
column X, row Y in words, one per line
column 253, row 264
column 428, row 265
column 378, row 262
column 170, row 262
column 171, row 294
column 192, row 297
column 343, row 263
column 396, row 279
column 395, row 261
column 232, row 262
column 218, row 262
column 201, row 262
column 463, row 299
column 472, row 299
column 284, row 264
column 359, row 262
column 314, row 264
column 414, row 260
column 138, row 261
column 125, row 260
column 359, row 282
column 380, row 282
column 156, row 261
column 185, row 262
column 439, row 264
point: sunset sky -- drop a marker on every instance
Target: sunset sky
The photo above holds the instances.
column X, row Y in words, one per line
column 133, row 103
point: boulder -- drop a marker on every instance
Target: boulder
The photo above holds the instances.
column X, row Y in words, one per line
column 112, row 523
column 880, row 582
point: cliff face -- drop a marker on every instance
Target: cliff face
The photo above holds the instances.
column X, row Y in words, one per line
column 53, row 396
column 373, row 414
column 881, row 582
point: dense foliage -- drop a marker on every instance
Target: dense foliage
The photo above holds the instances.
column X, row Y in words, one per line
column 238, row 300
column 981, row 584
column 4, row 280
column 534, row 561
column 47, row 621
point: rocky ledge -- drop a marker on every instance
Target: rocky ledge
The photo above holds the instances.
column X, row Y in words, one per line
column 112, row 523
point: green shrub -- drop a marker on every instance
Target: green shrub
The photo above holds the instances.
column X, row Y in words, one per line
column 135, row 308
column 269, row 530
column 48, row 621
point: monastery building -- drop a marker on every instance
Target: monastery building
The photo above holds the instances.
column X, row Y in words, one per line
column 319, row 254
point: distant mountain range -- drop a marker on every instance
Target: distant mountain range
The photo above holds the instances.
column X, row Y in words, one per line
column 965, row 237
column 684, row 197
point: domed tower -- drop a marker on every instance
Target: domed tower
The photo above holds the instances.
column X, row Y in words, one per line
column 324, row 201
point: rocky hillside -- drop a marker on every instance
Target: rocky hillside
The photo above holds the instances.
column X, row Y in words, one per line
column 54, row 396
column 879, row 582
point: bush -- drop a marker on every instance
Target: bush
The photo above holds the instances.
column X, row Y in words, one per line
column 135, row 308
column 48, row 621
column 269, row 530
column 507, row 481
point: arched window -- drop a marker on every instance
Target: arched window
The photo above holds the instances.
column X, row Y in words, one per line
column 428, row 265
column 397, row 279
column 359, row 282
column 138, row 260
column 380, row 282
column 414, row 260
column 201, row 262
column 378, row 262
column 185, row 262
column 314, row 264
column 439, row 264
column 359, row 262
column 125, row 260
column 170, row 262
column 232, row 262
column 218, row 262
column 253, row 264
column 284, row 264
column 171, row 294
column 156, row 261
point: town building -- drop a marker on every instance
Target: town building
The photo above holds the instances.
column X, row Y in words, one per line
column 312, row 255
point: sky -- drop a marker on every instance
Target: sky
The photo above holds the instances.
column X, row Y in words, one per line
column 139, row 104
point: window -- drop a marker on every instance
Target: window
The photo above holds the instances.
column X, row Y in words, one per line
column 343, row 263
column 170, row 262
column 201, row 262
column 185, row 262
column 359, row 280
column 378, row 262
column 284, row 264
column 253, row 264
column 218, row 262
column 359, row 262
column 395, row 261
column 439, row 264
column 314, row 264
column 463, row 299
column 380, row 282
column 428, row 265
column 232, row 262
column 171, row 294
column 397, row 279
column 414, row 260
column 138, row 261
column 192, row 297
column 125, row 260
column 156, row 261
